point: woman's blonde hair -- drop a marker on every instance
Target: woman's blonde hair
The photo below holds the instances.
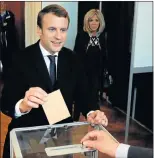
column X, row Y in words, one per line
column 89, row 15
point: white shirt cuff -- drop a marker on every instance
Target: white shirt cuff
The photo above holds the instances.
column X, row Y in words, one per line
column 17, row 110
column 89, row 113
column 122, row 150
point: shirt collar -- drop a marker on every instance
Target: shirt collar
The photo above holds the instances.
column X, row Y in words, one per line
column 45, row 53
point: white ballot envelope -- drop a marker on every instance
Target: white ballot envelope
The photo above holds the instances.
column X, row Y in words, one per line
column 64, row 150
column 55, row 108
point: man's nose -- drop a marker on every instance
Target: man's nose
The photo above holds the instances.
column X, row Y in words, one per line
column 58, row 34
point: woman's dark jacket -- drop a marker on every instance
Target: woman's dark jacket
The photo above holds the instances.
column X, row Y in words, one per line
column 94, row 60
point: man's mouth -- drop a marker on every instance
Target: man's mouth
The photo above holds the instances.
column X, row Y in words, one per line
column 56, row 43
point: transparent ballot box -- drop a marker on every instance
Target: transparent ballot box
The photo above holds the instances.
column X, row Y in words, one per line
column 58, row 141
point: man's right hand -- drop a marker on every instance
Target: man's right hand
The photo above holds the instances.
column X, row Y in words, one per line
column 33, row 98
column 101, row 141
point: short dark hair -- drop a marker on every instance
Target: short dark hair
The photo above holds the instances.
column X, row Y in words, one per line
column 54, row 9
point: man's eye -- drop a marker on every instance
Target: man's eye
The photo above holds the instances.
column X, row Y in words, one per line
column 63, row 30
column 51, row 29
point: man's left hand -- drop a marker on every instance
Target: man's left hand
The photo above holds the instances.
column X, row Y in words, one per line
column 97, row 117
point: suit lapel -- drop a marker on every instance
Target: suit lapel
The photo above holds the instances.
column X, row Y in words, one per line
column 41, row 69
column 64, row 71
column 62, row 67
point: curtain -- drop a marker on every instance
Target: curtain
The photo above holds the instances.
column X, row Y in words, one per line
column 31, row 12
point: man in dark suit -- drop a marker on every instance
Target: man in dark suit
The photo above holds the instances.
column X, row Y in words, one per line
column 103, row 142
column 31, row 78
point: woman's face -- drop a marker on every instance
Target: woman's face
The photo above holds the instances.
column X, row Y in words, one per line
column 94, row 23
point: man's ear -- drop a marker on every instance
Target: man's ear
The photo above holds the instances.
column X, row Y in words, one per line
column 39, row 31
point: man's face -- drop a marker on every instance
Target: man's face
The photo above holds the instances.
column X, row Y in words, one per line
column 53, row 32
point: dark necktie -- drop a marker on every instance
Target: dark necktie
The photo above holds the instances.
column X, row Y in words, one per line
column 52, row 68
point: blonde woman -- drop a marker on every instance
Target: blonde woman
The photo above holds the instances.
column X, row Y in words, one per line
column 90, row 45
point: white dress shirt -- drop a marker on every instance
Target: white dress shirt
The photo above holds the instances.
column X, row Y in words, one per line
column 45, row 54
column 122, row 151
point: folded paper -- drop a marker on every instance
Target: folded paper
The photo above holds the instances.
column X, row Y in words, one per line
column 55, row 108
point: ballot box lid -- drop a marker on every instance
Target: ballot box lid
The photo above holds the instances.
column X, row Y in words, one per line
column 50, row 141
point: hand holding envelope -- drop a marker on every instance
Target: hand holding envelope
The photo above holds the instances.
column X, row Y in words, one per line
column 55, row 107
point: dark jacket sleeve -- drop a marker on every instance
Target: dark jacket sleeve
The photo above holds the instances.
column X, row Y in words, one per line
column 139, row 152
column 104, row 48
